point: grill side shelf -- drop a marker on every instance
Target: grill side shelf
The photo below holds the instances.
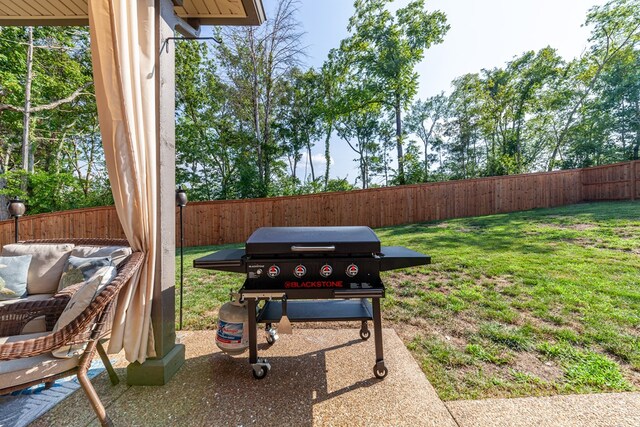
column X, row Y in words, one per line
column 396, row 257
column 317, row 311
column 225, row 260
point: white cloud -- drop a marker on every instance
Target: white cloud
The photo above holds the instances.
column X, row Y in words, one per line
column 317, row 158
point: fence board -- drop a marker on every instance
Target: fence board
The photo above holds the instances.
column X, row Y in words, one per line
column 218, row 222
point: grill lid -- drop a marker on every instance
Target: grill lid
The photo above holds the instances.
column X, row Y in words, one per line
column 328, row 241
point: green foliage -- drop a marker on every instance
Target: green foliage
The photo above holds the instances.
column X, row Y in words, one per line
column 426, row 121
column 66, row 164
column 298, row 120
column 52, row 192
column 339, row 185
column 539, row 111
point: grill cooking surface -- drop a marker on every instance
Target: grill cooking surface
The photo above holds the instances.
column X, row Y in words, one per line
column 312, row 240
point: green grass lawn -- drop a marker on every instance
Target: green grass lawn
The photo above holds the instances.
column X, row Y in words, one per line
column 532, row 303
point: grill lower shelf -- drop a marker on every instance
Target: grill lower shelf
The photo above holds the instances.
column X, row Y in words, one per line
column 317, row 311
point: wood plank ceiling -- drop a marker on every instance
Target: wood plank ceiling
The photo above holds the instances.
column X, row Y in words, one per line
column 74, row 12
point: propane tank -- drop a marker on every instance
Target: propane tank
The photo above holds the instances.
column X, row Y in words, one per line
column 233, row 326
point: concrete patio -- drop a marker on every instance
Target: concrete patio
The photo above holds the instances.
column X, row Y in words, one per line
column 322, row 377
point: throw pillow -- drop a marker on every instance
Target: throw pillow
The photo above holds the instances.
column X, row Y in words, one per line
column 13, row 276
column 76, row 305
column 117, row 253
column 46, row 264
column 80, row 300
column 78, row 270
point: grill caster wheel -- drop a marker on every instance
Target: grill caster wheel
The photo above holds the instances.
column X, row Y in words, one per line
column 260, row 369
column 260, row 373
column 365, row 334
column 380, row 373
column 271, row 336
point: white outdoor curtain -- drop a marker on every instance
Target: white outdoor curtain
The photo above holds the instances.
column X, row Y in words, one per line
column 123, row 54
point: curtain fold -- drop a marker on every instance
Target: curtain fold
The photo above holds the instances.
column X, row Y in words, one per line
column 123, row 55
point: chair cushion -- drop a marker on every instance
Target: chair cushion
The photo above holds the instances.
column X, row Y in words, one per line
column 117, row 253
column 22, row 371
column 13, row 276
column 78, row 270
column 46, row 264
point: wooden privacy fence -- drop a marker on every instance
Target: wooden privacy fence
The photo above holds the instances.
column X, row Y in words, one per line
column 232, row 221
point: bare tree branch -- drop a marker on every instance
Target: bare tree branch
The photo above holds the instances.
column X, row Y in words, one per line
column 51, row 105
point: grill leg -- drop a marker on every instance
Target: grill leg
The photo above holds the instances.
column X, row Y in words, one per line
column 253, row 335
column 379, row 369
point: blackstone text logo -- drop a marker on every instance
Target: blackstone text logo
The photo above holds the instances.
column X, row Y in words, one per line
column 314, row 284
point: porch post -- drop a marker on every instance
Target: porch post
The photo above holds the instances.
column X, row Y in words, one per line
column 170, row 356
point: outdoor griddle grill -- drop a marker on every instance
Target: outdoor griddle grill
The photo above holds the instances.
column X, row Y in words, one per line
column 316, row 274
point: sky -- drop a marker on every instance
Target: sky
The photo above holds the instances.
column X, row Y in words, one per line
column 483, row 34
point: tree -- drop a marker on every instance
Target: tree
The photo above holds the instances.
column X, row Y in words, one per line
column 359, row 129
column 332, row 76
column 510, row 96
column 210, row 144
column 425, row 120
column 257, row 62
column 463, row 128
column 618, row 99
column 384, row 50
column 616, row 27
column 298, row 121
column 46, row 107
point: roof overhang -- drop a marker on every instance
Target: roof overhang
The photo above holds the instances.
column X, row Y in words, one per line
column 74, row 12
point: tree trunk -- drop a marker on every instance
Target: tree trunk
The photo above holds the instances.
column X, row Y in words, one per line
column 426, row 163
column 636, row 146
column 426, row 140
column 401, row 177
column 27, row 165
column 313, row 173
column 256, row 105
column 386, row 165
column 552, row 160
column 327, row 155
column 363, row 171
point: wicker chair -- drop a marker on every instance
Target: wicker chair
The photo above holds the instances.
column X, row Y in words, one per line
column 90, row 326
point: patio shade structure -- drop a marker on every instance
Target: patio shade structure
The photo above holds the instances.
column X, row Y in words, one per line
column 134, row 77
column 76, row 12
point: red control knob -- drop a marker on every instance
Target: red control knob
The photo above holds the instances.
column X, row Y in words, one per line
column 300, row 270
column 352, row 270
column 274, row 271
column 326, row 270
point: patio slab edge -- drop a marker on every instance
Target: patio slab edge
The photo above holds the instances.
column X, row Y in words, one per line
column 594, row 410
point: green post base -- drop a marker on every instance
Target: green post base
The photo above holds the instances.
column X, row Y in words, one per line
column 156, row 371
